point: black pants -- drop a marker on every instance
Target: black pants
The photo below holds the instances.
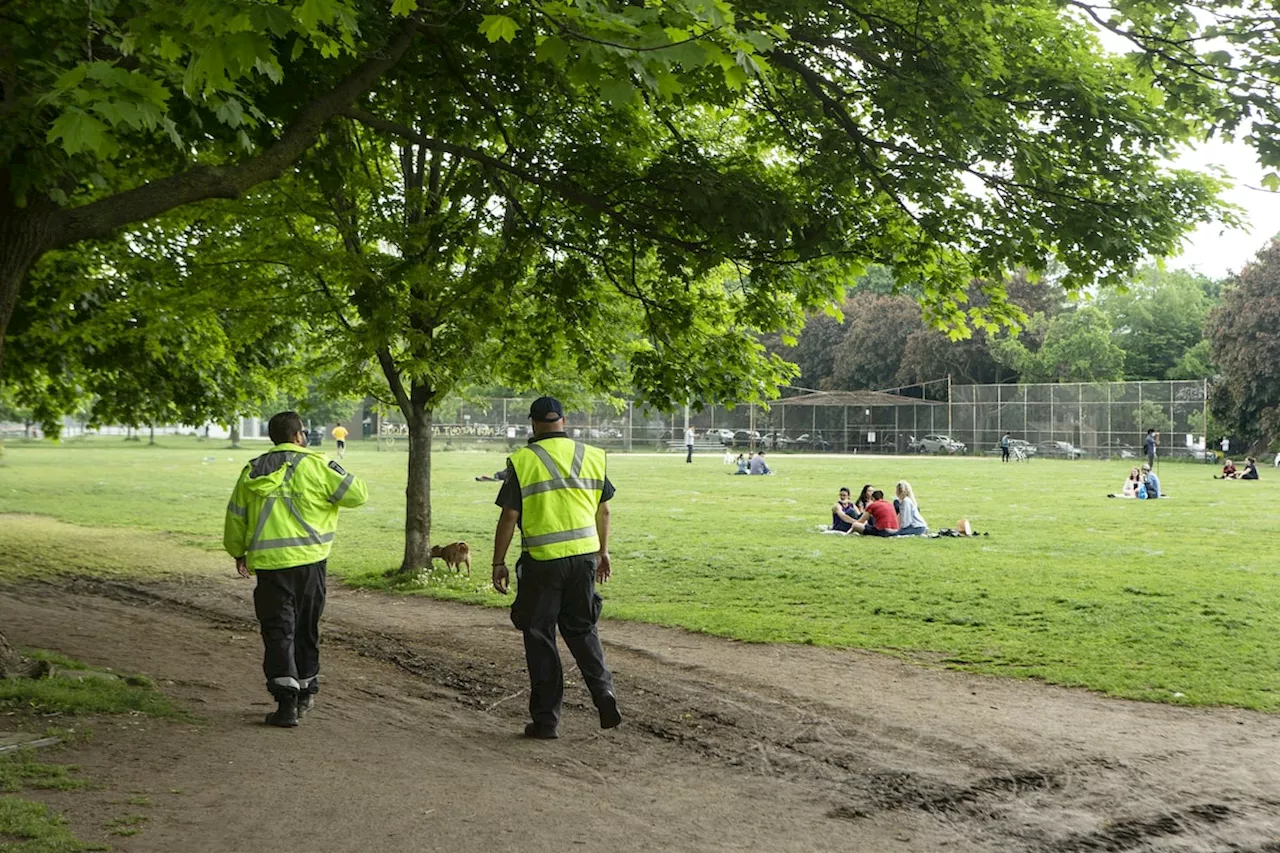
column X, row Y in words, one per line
column 1004, row 454
column 288, row 603
column 689, row 456
column 559, row 592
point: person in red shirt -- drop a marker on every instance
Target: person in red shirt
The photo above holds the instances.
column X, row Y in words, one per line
column 879, row 518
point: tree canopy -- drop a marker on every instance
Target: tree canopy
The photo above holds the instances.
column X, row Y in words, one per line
column 1245, row 335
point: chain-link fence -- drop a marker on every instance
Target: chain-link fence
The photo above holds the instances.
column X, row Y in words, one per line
column 1107, row 419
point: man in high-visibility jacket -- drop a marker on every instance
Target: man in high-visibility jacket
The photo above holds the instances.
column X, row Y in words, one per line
column 280, row 525
column 558, row 493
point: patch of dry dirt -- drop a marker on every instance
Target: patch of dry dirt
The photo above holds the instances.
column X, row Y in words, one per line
column 414, row 744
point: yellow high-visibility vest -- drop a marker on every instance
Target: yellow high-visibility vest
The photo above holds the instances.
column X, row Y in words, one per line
column 561, row 482
column 284, row 509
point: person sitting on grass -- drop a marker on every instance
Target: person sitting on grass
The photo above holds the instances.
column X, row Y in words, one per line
column 1152, row 482
column 842, row 514
column 758, row 465
column 1228, row 472
column 910, row 521
column 1250, row 471
column 879, row 519
column 744, row 467
column 498, row 477
column 1132, row 485
column 864, row 498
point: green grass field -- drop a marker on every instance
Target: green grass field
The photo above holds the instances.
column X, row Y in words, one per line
column 1173, row 600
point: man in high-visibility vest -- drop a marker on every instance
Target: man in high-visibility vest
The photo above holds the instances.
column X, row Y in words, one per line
column 280, row 526
column 558, row 493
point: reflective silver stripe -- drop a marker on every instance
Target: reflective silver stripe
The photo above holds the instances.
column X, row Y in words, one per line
column 292, row 462
column 263, row 515
column 342, row 488
column 528, row 542
column 311, row 531
column 284, row 681
column 239, row 511
column 579, row 451
column 269, row 544
column 553, row 485
column 550, row 464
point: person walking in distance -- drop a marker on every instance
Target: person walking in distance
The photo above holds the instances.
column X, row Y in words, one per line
column 689, row 437
column 340, row 439
column 1004, row 447
column 1149, row 445
column 557, row 492
column 280, row 525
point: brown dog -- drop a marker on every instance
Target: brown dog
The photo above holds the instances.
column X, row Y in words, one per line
column 455, row 555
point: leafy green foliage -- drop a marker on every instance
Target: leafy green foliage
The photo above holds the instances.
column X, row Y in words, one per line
column 1157, row 320
column 1077, row 347
column 1245, row 335
column 165, row 328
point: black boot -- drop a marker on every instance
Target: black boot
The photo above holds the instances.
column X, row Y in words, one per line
column 286, row 714
column 306, row 701
column 608, row 708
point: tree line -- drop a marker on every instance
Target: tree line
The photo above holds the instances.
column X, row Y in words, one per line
column 1153, row 327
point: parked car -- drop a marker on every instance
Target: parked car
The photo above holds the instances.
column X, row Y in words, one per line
column 745, row 437
column 936, row 444
column 724, row 435
column 775, row 441
column 1117, row 449
column 812, row 442
column 1199, row 454
column 1062, row 450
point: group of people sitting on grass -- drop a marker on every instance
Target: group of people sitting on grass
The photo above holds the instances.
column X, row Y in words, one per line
column 753, row 464
column 1142, row 484
column 1248, row 472
column 872, row 515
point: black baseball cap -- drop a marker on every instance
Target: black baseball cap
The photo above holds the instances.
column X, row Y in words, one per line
column 546, row 409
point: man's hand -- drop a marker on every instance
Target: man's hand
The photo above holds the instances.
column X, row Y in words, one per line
column 242, row 567
column 500, row 577
column 604, row 567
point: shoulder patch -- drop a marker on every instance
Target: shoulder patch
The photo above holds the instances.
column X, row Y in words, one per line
column 338, row 468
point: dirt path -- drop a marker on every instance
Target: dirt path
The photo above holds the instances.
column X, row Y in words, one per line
column 726, row 746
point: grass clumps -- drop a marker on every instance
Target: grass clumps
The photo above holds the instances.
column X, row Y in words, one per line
column 27, row 827
column 18, row 772
column 75, row 688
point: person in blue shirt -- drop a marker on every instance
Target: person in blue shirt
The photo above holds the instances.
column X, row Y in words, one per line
column 1149, row 445
column 1004, row 447
column 1151, row 481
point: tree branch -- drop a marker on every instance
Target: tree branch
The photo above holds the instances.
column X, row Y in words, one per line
column 101, row 218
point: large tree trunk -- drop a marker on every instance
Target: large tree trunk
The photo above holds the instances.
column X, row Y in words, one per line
column 235, row 433
column 417, row 493
column 23, row 238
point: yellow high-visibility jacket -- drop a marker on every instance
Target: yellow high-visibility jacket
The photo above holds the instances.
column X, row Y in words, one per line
column 284, row 509
column 561, row 483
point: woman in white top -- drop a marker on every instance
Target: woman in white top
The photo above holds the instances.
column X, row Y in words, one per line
column 910, row 521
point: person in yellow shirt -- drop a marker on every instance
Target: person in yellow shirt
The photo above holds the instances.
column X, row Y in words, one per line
column 340, row 436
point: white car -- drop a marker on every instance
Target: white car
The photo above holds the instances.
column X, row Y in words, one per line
column 936, row 444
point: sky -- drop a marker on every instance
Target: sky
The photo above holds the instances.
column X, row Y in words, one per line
column 1214, row 249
